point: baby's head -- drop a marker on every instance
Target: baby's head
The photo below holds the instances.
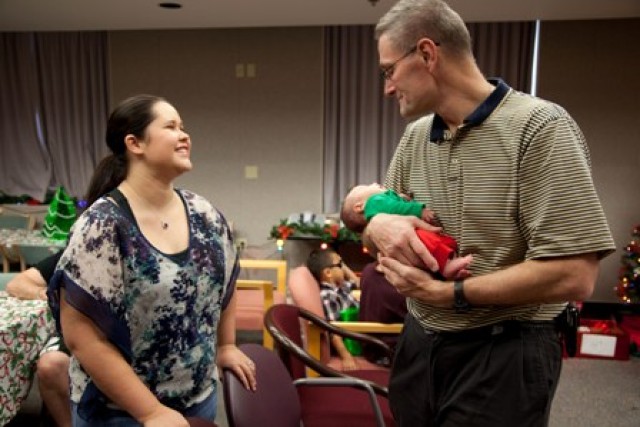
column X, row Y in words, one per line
column 352, row 212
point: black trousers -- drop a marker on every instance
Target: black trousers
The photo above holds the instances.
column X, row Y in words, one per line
column 501, row 375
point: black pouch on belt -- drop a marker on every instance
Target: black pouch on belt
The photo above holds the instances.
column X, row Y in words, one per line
column 567, row 323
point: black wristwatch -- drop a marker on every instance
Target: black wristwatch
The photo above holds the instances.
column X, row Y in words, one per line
column 460, row 303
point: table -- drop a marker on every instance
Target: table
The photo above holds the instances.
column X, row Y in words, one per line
column 10, row 238
column 25, row 327
column 37, row 212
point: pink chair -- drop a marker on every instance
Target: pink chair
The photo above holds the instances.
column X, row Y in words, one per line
column 254, row 297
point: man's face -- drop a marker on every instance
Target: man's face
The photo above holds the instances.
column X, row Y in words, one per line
column 406, row 77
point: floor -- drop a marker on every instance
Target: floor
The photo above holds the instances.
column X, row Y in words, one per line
column 591, row 393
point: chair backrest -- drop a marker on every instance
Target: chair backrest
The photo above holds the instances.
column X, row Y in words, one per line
column 6, row 278
column 15, row 222
column 305, row 293
column 278, row 265
column 283, row 323
column 304, row 290
column 274, row 403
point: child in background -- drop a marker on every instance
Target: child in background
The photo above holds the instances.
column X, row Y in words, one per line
column 363, row 202
column 336, row 281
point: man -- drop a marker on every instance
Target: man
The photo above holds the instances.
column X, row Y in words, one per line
column 53, row 363
column 508, row 176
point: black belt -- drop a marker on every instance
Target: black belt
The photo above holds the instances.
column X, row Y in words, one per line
column 500, row 328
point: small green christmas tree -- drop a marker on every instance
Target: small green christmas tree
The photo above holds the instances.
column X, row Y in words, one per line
column 60, row 217
column 629, row 279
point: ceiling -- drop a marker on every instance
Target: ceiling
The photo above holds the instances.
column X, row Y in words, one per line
column 74, row 15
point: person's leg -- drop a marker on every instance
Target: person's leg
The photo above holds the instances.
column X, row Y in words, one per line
column 410, row 382
column 120, row 419
column 505, row 378
column 53, row 382
column 205, row 410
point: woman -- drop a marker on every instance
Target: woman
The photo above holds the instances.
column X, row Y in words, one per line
column 143, row 293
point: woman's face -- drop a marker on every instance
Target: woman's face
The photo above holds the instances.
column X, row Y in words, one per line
column 167, row 147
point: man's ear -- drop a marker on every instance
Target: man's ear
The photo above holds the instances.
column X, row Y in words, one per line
column 428, row 50
column 133, row 144
column 358, row 207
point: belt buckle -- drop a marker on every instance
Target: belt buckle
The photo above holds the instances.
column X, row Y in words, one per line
column 497, row 329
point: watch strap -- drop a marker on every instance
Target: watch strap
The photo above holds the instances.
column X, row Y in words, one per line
column 460, row 303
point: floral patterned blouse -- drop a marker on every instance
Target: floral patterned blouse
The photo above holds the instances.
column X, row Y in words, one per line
column 160, row 310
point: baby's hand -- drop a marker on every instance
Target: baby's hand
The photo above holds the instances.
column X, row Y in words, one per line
column 428, row 215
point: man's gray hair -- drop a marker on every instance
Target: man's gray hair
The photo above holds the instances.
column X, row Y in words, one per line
column 410, row 20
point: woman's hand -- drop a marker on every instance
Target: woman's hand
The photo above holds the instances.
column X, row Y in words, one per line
column 395, row 236
column 163, row 416
column 230, row 356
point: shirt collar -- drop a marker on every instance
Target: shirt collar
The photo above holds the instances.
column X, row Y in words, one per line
column 478, row 116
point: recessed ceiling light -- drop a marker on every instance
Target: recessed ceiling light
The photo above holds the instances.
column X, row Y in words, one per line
column 170, row 5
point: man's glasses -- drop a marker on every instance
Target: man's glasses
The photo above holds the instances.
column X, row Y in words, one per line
column 387, row 72
column 338, row 264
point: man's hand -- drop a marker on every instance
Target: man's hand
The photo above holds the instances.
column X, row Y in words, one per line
column 394, row 236
column 416, row 283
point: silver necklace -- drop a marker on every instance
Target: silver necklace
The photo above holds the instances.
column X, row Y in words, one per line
column 164, row 225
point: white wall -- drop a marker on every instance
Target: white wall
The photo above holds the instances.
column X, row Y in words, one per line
column 592, row 68
column 273, row 121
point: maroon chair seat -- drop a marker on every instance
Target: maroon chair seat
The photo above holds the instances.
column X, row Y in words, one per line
column 200, row 422
column 336, row 402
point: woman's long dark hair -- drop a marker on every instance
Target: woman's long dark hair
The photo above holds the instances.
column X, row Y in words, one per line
column 130, row 117
column 108, row 174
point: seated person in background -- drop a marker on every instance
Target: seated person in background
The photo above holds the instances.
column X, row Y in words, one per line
column 364, row 202
column 379, row 302
column 53, row 363
column 336, row 282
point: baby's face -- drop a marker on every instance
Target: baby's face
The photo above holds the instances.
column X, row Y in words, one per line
column 363, row 192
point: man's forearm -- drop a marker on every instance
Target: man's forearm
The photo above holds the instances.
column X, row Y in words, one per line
column 536, row 281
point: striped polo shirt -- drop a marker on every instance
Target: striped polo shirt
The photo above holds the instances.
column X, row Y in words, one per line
column 512, row 184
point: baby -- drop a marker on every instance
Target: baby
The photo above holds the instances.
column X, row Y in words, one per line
column 364, row 202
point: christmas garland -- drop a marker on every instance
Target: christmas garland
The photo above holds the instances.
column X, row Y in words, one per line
column 328, row 233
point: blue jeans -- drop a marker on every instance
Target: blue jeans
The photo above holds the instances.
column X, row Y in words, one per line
column 206, row 409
